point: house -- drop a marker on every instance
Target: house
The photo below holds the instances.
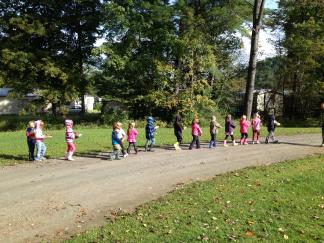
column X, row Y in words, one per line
column 10, row 105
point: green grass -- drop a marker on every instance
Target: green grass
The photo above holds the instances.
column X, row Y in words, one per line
column 263, row 204
column 14, row 148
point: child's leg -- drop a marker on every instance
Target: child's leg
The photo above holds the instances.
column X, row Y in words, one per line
column 43, row 150
column 152, row 144
column 225, row 140
column 146, row 144
column 212, row 140
column 192, row 142
column 245, row 139
column 258, row 135
column 242, row 139
column 135, row 147
column 129, row 147
column 38, row 150
column 197, row 142
column 31, row 148
column 71, row 151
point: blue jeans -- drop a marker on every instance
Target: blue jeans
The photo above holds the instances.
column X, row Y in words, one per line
column 147, row 146
column 40, row 150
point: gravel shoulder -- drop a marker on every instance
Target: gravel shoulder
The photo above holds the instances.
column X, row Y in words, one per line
column 54, row 199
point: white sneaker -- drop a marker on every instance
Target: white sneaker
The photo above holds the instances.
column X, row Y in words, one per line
column 125, row 155
column 258, row 142
column 70, row 159
column 323, row 145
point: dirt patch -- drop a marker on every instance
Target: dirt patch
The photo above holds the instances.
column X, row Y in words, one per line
column 55, row 199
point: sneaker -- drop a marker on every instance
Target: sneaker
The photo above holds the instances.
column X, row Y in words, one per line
column 322, row 145
column 70, row 159
column 258, row 142
column 246, row 143
column 253, row 142
column 234, row 144
column 125, row 155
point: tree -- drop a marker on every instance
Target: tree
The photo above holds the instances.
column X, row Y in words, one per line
column 257, row 23
column 45, row 45
column 169, row 56
column 303, row 24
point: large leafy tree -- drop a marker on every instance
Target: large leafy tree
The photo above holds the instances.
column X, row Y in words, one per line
column 44, row 46
column 168, row 56
column 303, row 24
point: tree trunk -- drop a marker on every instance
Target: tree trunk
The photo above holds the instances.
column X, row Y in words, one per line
column 257, row 15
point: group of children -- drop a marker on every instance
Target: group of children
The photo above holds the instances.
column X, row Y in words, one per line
column 229, row 130
column 118, row 138
column 35, row 136
column 35, row 139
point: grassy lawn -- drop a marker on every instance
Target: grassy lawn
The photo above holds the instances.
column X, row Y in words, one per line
column 14, row 148
column 280, row 202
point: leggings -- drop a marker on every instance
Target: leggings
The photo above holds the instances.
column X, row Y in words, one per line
column 129, row 147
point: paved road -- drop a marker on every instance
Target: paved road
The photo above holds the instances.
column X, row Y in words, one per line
column 54, row 199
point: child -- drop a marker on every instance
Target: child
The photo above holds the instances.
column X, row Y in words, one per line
column 178, row 131
column 196, row 133
column 229, row 130
column 70, row 136
column 213, row 128
column 272, row 124
column 149, row 134
column 30, row 134
column 122, row 137
column 115, row 142
column 132, row 133
column 256, row 128
column 244, row 125
column 39, row 137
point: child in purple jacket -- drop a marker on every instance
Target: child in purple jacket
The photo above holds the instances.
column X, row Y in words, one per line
column 229, row 130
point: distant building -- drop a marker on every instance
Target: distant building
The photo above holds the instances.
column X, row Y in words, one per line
column 13, row 105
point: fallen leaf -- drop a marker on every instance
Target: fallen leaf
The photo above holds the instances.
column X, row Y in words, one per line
column 281, row 230
column 286, row 237
column 249, row 233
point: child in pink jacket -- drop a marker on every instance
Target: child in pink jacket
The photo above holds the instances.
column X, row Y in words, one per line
column 244, row 125
column 132, row 134
column 256, row 127
column 196, row 133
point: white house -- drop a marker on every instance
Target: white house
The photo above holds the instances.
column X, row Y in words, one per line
column 12, row 105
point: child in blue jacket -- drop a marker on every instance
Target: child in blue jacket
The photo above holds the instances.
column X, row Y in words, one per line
column 149, row 132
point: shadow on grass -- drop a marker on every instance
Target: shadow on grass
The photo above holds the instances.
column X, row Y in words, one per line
column 13, row 157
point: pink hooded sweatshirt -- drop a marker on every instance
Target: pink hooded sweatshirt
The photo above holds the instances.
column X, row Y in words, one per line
column 244, row 125
column 132, row 133
column 256, row 124
column 196, row 130
column 38, row 132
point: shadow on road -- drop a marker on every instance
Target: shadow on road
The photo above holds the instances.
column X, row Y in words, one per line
column 300, row 144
